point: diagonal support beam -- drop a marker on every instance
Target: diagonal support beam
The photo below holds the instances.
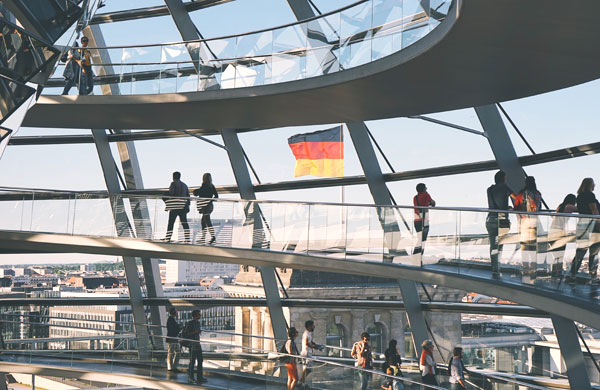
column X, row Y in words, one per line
column 501, row 145
column 139, row 207
column 134, row 286
column 186, row 28
column 566, row 333
column 242, row 177
column 381, row 196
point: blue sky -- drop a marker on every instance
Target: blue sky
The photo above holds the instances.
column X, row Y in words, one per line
column 550, row 121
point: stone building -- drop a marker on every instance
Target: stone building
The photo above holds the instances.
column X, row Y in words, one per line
column 340, row 327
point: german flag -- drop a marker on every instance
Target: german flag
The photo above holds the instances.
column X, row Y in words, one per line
column 320, row 153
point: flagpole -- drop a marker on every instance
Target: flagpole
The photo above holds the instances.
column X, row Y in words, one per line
column 342, row 141
column 343, row 209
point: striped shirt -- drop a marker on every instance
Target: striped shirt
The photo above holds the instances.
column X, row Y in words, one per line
column 180, row 190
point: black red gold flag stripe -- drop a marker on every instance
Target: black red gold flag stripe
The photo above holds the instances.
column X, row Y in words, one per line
column 320, row 153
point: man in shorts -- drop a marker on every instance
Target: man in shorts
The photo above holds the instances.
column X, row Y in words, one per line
column 308, row 346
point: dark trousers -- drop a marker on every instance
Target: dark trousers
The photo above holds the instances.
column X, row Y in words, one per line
column 429, row 379
column 195, row 356
column 207, row 224
column 495, row 248
column 423, row 230
column 70, row 82
column 579, row 254
column 86, row 86
column 182, row 214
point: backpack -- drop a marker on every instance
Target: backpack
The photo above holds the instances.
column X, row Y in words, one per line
column 286, row 358
column 450, row 366
column 519, row 202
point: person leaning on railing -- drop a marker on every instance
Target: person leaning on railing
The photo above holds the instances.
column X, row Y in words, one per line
column 86, row 84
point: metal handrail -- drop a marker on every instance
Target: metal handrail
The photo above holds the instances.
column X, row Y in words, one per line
column 103, row 195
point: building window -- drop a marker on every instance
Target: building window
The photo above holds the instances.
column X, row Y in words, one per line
column 377, row 337
column 335, row 337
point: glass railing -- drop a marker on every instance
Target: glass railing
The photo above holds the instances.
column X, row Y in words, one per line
column 228, row 364
column 534, row 249
column 357, row 34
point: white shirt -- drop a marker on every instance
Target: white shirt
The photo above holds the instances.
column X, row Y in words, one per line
column 306, row 339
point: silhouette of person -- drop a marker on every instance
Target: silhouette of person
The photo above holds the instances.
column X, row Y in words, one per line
column 205, row 206
column 177, row 206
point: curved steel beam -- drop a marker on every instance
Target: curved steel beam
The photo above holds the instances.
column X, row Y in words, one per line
column 442, row 307
column 468, row 60
column 566, row 306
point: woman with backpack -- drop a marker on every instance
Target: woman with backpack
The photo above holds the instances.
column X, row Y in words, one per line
column 290, row 348
column 528, row 199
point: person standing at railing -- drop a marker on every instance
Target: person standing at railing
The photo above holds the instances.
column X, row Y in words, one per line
column 588, row 230
column 173, row 329
column 528, row 199
column 308, row 347
column 205, row 207
column 497, row 224
column 290, row 361
column 192, row 332
column 72, row 69
column 392, row 358
column 421, row 218
column 456, row 370
column 427, row 364
column 178, row 207
column 361, row 351
column 86, row 84
column 557, row 236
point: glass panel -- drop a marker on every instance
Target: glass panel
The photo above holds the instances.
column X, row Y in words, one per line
column 187, row 78
column 287, row 67
column 210, row 76
column 222, row 49
column 292, row 38
column 149, row 54
column 228, row 75
column 415, row 22
column 125, row 82
column 255, row 44
column 355, row 54
column 356, row 22
column 145, row 79
column 251, row 72
column 168, row 78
